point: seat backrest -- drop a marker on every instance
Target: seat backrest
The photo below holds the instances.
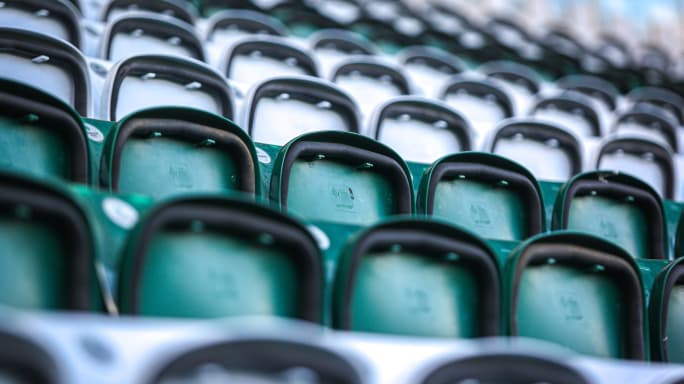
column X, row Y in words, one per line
column 668, row 100
column 57, row 18
column 593, row 87
column 254, row 59
column 206, row 257
column 280, row 109
column 519, row 81
column 429, row 68
column 641, row 156
column 666, row 311
column 178, row 9
column 483, row 103
column 491, row 195
column 171, row 150
column 370, row 81
column 261, row 360
column 504, row 367
column 144, row 33
column 420, row 129
column 573, row 112
column 332, row 46
column 341, row 176
column 47, row 257
column 147, row 81
column 41, row 135
column 46, row 63
column 420, row 278
column 617, row 207
column 225, row 27
column 649, row 120
column 24, row 361
column 578, row 291
column 528, row 140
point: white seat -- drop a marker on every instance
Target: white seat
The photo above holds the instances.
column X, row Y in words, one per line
column 550, row 152
column 282, row 108
column 420, row 129
column 57, row 18
column 46, row 63
column 144, row 33
column 152, row 80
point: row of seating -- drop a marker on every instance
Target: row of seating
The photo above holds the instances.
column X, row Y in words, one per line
column 286, row 352
column 212, row 256
column 390, row 24
column 356, row 180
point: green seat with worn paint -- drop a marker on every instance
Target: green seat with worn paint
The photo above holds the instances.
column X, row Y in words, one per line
column 47, row 257
column 207, row 257
column 579, row 291
column 666, row 312
column 491, row 195
column 342, row 177
column 617, row 207
column 418, row 277
column 172, row 150
column 41, row 135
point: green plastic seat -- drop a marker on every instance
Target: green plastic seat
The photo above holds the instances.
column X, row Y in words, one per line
column 259, row 360
column 40, row 135
column 617, row 207
column 170, row 150
column 666, row 312
column 505, row 368
column 47, row 257
column 491, row 195
column 579, row 291
column 417, row 277
column 24, row 361
column 207, row 257
column 342, row 177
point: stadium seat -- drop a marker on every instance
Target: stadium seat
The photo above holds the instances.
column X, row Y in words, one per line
column 280, row 109
column 578, row 291
column 389, row 25
column 41, row 135
column 170, row 150
column 593, row 87
column 226, row 26
column 341, row 176
column 666, row 313
column 258, row 360
column 302, row 17
column 370, row 81
column 617, row 207
column 420, row 129
column 181, row 10
column 649, row 120
column 520, row 81
column 642, row 157
column 429, row 68
column 669, row 101
column 493, row 196
column 208, row 8
column 254, row 59
column 207, row 257
column 571, row 111
column 47, row 259
column 146, row 81
column 24, row 361
column 504, row 367
column 482, row 103
column 443, row 281
column 46, row 63
column 57, row 18
column 143, row 33
column 528, row 140
column 332, row 46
